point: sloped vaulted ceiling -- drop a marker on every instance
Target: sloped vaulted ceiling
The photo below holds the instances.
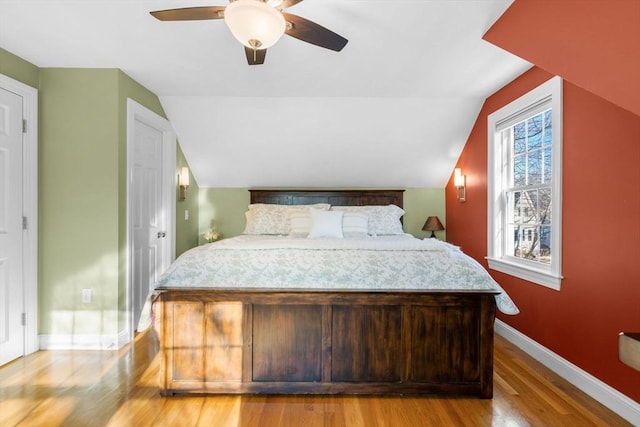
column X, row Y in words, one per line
column 393, row 109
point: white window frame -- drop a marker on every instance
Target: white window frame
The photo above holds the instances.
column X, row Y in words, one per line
column 549, row 275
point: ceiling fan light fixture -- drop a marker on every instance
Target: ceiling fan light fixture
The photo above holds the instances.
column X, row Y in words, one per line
column 254, row 23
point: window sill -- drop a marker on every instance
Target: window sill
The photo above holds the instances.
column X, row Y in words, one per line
column 540, row 277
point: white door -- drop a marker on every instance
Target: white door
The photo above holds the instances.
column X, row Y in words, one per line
column 149, row 221
column 11, row 189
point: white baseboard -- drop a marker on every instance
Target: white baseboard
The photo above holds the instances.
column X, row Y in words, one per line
column 619, row 403
column 82, row 342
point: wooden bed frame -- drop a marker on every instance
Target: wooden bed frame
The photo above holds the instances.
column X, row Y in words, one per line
column 326, row 342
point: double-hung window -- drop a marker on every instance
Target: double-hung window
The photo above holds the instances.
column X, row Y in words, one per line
column 525, row 186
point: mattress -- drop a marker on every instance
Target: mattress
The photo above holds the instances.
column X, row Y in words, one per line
column 382, row 263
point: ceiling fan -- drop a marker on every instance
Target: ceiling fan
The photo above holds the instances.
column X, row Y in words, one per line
column 259, row 24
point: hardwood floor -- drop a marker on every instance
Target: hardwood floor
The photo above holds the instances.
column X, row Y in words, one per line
column 103, row 388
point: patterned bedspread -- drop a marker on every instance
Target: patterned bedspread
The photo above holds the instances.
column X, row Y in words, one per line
column 372, row 263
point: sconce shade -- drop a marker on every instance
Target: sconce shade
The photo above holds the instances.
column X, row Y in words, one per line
column 184, row 177
column 458, row 178
column 183, row 183
column 255, row 24
column 433, row 224
column 459, row 182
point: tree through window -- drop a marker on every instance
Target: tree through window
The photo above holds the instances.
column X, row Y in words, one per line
column 529, row 189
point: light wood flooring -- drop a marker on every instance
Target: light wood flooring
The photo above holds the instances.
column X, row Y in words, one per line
column 118, row 388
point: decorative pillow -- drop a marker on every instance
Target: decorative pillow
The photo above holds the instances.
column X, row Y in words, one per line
column 326, row 224
column 299, row 223
column 383, row 220
column 355, row 224
column 274, row 219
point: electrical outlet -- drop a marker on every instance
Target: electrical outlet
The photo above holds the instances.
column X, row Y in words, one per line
column 86, row 296
column 186, row 215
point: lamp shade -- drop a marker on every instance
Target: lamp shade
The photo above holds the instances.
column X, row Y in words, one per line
column 432, row 224
column 254, row 24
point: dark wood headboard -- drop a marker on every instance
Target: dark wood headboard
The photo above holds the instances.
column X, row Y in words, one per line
column 333, row 197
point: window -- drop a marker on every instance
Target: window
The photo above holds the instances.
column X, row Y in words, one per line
column 525, row 185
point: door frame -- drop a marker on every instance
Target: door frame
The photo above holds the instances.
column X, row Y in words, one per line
column 137, row 112
column 29, row 207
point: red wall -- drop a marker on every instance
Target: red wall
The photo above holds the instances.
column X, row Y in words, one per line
column 600, row 292
column 592, row 43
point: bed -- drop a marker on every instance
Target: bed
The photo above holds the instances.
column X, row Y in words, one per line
column 276, row 331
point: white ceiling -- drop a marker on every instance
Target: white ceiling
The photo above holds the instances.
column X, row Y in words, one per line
column 393, row 109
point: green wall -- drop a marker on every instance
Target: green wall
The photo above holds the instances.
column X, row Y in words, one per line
column 19, row 69
column 78, row 201
column 83, row 202
column 223, row 209
column 420, row 203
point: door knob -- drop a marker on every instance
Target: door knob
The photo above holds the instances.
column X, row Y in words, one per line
column 161, row 234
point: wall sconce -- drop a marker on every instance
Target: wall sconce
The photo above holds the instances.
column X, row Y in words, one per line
column 433, row 224
column 183, row 183
column 459, row 183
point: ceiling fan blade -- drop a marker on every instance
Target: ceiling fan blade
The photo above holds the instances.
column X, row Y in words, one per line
column 255, row 56
column 310, row 32
column 288, row 3
column 190, row 13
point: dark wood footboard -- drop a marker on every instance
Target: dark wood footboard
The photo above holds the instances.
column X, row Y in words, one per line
column 436, row 343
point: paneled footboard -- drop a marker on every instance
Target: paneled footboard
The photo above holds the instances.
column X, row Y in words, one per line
column 245, row 341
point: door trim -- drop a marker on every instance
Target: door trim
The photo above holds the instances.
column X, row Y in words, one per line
column 138, row 112
column 29, row 207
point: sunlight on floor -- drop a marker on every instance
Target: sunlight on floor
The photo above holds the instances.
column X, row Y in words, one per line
column 62, row 388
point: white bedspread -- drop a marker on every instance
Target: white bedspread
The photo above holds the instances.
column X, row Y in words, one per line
column 373, row 263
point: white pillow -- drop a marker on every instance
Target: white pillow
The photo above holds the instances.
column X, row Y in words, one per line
column 383, row 220
column 326, row 224
column 265, row 218
column 355, row 224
